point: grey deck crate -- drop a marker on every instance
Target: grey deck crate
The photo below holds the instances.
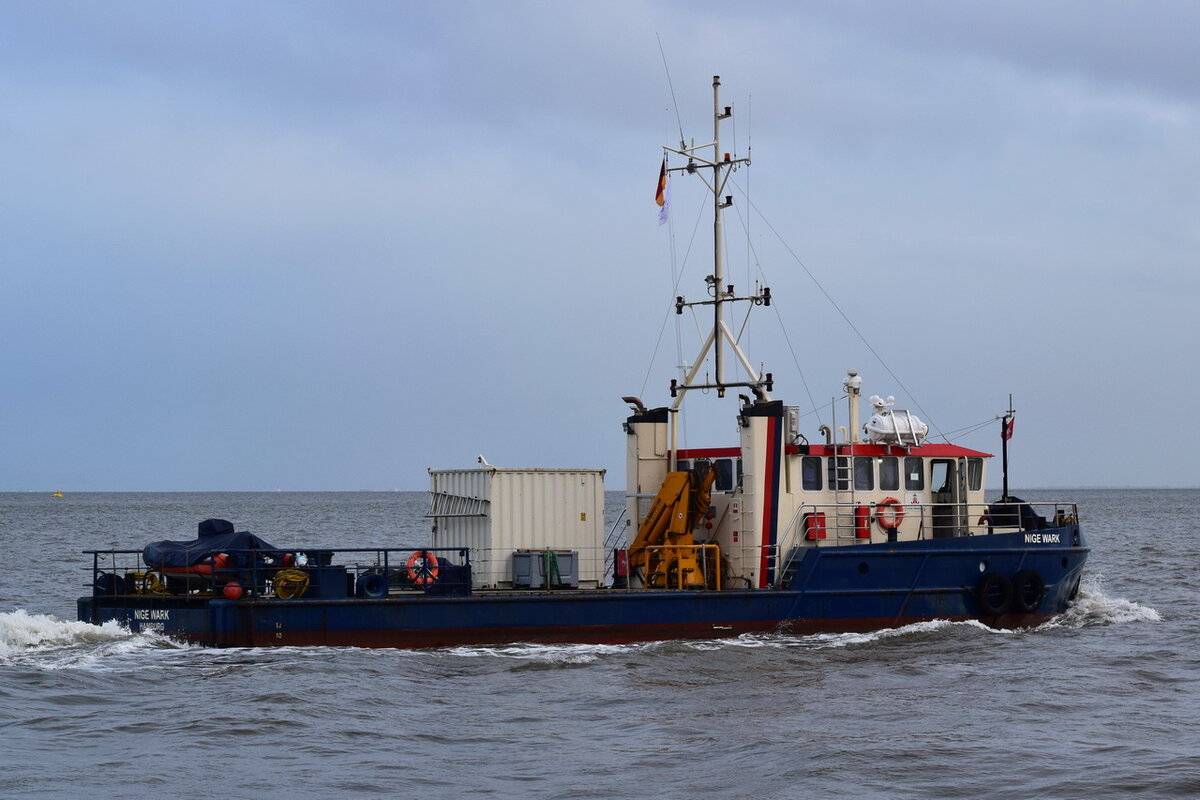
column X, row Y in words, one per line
column 530, row 566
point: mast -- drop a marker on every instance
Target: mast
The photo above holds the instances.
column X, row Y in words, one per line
column 722, row 165
column 1006, row 422
column 718, row 232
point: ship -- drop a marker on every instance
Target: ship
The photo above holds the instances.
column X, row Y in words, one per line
column 867, row 526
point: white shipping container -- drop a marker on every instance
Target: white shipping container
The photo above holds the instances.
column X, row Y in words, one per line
column 496, row 511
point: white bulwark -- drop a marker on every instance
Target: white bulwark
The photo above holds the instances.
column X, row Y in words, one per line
column 497, row 511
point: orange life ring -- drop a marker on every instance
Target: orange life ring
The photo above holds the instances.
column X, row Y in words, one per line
column 427, row 572
column 892, row 521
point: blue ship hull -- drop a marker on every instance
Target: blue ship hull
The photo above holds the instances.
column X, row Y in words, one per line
column 834, row 589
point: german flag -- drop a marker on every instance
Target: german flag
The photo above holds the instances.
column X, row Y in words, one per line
column 660, row 195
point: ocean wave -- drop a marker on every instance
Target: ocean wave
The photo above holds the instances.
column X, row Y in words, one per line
column 548, row 654
column 575, row 654
column 828, row 640
column 1090, row 608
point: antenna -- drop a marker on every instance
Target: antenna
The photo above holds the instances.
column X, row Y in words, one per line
column 670, row 86
column 721, row 293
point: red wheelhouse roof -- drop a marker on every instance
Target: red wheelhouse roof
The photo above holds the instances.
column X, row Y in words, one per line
column 859, row 449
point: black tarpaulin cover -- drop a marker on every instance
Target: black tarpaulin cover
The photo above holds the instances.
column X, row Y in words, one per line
column 1013, row 512
column 215, row 536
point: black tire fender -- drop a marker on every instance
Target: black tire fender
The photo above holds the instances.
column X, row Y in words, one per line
column 1029, row 589
column 994, row 594
column 108, row 583
column 371, row 585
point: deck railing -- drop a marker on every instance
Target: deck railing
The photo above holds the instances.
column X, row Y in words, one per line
column 840, row 524
column 236, row 574
column 382, row 572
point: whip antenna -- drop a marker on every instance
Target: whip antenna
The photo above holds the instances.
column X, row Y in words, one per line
column 670, row 86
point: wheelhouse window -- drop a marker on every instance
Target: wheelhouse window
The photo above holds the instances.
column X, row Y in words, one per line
column 975, row 474
column 889, row 473
column 914, row 474
column 864, row 473
column 942, row 479
column 839, row 482
column 810, row 473
column 725, row 479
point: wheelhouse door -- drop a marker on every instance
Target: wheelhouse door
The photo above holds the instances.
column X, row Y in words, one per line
column 947, row 480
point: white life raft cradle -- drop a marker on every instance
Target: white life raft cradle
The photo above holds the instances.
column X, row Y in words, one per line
column 888, row 426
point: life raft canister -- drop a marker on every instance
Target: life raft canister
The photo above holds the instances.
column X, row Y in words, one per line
column 889, row 513
column 422, row 567
column 862, row 522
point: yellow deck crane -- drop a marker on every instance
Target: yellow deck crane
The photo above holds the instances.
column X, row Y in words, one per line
column 665, row 552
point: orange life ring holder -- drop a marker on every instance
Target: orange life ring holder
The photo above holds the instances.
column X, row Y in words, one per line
column 889, row 513
column 427, row 571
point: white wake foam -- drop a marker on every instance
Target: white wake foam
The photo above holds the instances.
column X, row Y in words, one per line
column 1093, row 607
column 43, row 641
column 21, row 631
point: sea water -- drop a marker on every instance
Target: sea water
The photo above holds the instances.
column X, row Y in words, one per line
column 1102, row 702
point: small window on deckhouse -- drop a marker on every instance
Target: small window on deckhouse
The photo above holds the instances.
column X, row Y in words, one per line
column 725, row 480
column 974, row 474
column 914, row 473
column 864, row 473
column 810, row 473
column 889, row 473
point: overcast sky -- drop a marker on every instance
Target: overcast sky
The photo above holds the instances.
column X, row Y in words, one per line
column 296, row 245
